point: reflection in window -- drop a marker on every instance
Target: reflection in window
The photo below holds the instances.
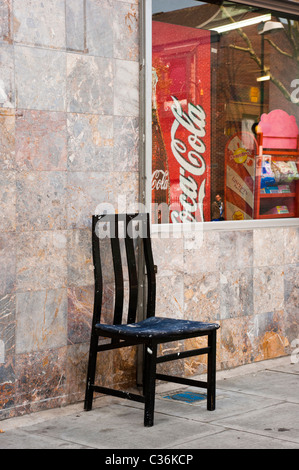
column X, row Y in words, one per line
column 225, row 112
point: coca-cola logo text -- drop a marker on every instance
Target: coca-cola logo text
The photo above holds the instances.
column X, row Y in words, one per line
column 190, row 159
column 160, row 180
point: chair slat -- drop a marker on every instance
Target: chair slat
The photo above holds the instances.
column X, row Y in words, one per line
column 150, row 268
column 118, row 275
column 98, row 278
column 133, row 278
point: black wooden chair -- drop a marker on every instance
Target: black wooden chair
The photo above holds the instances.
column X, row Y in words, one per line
column 149, row 332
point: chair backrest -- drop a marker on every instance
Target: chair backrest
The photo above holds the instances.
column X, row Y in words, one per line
column 132, row 231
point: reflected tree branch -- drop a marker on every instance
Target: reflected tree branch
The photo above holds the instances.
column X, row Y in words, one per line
column 291, row 31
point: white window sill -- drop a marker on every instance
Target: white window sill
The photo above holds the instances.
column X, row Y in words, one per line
column 227, row 225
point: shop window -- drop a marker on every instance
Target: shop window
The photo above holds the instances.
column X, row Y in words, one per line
column 225, row 112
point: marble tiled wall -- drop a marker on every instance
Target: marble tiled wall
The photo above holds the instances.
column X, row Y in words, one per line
column 69, row 117
column 69, row 127
column 247, row 281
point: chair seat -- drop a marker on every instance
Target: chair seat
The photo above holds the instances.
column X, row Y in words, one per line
column 156, row 327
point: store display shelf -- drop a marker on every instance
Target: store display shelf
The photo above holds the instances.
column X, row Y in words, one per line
column 277, row 195
column 277, row 171
column 277, row 216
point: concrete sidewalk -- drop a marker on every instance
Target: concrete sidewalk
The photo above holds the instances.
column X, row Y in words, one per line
column 257, row 408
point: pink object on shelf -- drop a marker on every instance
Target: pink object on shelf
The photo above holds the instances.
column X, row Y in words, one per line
column 278, row 210
column 279, row 130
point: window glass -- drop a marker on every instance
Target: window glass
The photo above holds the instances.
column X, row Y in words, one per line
column 225, row 112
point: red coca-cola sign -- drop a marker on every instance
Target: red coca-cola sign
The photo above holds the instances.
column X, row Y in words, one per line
column 181, row 121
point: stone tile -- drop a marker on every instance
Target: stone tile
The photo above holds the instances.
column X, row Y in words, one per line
column 228, row 403
column 111, row 423
column 197, row 364
column 126, row 143
column 269, row 421
column 39, row 87
column 41, row 380
column 205, row 257
column 170, row 297
column 40, row 23
column 99, row 27
column 7, row 200
column 193, row 238
column 107, row 261
column 268, row 288
column 202, row 296
column 108, row 302
column 168, row 256
column 291, row 245
column 41, row 200
column 32, row 441
column 41, row 260
column 7, row 262
column 88, row 192
column 126, row 194
column 76, row 370
column 7, row 83
column 236, row 250
column 105, row 369
column 291, row 301
column 126, row 88
column 126, row 38
column 7, row 327
column 7, row 387
column 235, row 345
column 267, row 383
column 85, row 92
column 6, row 20
column 80, row 265
column 41, row 140
column 7, row 139
column 235, row 439
column 75, row 25
column 41, row 320
column 266, row 333
column 90, row 142
column 124, row 367
column 176, row 368
column 291, row 291
column 268, row 246
column 80, row 310
column 236, row 293
column 85, row 191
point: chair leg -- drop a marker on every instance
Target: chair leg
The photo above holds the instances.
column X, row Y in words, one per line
column 211, row 388
column 92, row 362
column 149, row 383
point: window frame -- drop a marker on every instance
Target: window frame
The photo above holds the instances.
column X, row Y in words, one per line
column 283, row 7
